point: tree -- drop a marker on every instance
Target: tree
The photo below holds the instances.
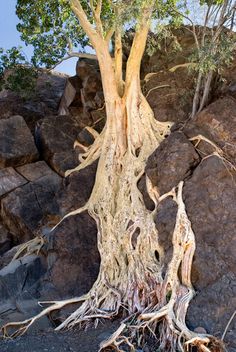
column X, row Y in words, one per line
column 131, row 278
column 215, row 46
column 16, row 73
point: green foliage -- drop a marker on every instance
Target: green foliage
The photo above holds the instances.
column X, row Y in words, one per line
column 22, row 81
column 50, row 25
column 52, row 28
column 11, row 58
column 164, row 34
column 211, row 2
column 16, row 73
column 214, row 56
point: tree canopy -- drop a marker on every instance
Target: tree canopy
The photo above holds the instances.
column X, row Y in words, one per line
column 54, row 30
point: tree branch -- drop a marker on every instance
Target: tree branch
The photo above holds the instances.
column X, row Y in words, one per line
column 138, row 45
column 193, row 31
column 72, row 54
column 118, row 62
column 87, row 26
column 109, row 35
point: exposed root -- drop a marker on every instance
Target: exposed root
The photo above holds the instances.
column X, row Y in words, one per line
column 157, row 87
column 81, row 146
column 218, row 151
column 72, row 213
column 149, row 76
column 92, row 131
column 24, row 325
column 131, row 280
column 117, row 339
column 186, row 65
column 227, row 326
column 90, row 154
column 200, row 138
column 31, row 247
column 166, row 304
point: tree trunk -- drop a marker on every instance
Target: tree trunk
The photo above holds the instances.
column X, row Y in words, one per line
column 130, row 277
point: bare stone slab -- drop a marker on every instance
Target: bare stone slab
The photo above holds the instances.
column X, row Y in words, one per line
column 34, row 171
column 9, row 180
column 29, row 208
column 17, row 145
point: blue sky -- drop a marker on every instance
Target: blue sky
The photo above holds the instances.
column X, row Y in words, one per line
column 10, row 37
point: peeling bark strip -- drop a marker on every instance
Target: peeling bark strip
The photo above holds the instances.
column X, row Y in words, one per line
column 131, row 277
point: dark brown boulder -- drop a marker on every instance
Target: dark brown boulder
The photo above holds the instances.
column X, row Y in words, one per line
column 173, row 50
column 86, row 67
column 170, row 94
column 19, row 289
column 17, row 145
column 171, row 162
column 217, row 122
column 7, row 257
column 209, row 195
column 49, row 88
column 165, row 224
column 32, row 208
column 210, row 201
column 83, row 93
column 56, row 136
column 76, row 189
column 6, row 239
column 9, row 180
column 71, row 95
column 228, row 76
column 45, row 101
column 34, row 171
column 19, row 275
column 73, row 258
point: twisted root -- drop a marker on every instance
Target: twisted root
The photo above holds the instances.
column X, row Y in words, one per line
column 30, row 247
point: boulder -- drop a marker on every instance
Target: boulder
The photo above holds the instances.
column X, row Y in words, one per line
column 85, row 137
column 56, row 136
column 45, row 101
column 17, row 145
column 7, row 257
column 165, row 224
column 171, row 162
column 6, row 240
column 32, row 208
column 9, row 180
column 218, row 123
column 83, row 94
column 173, row 50
column 210, row 202
column 170, row 94
column 86, row 67
column 49, row 88
column 19, row 276
column 209, row 195
column 71, row 94
column 73, row 258
column 228, row 76
column 19, row 283
column 35, row 171
column 99, row 119
column 76, row 189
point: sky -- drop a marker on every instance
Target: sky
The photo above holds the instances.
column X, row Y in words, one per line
column 9, row 36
